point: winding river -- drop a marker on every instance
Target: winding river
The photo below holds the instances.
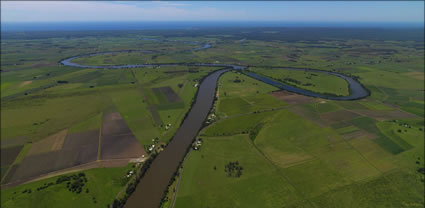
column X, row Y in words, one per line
column 150, row 190
column 357, row 91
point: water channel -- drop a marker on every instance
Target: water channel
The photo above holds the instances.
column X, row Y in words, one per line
column 150, row 190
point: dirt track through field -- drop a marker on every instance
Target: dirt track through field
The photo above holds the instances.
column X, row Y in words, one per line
column 75, row 150
column 385, row 115
column 78, row 149
column 25, row 83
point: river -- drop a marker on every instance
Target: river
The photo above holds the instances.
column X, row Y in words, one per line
column 357, row 91
column 149, row 191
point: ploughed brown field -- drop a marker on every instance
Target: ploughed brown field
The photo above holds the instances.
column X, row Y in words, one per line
column 386, row 115
column 169, row 93
column 118, row 142
column 79, row 148
column 292, row 98
column 155, row 114
column 62, row 151
column 340, row 115
column 305, row 113
column 5, row 143
column 51, row 143
column 9, row 154
column 358, row 134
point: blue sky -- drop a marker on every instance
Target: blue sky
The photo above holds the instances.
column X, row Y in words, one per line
column 302, row 11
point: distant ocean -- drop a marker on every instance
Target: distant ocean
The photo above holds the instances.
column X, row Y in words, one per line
column 75, row 26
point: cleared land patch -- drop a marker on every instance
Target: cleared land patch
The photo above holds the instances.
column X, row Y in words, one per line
column 166, row 99
column 373, row 153
column 13, row 141
column 308, row 114
column 9, row 154
column 86, row 144
column 168, row 92
column 369, row 125
column 359, row 133
column 117, row 139
column 78, row 148
column 385, row 115
column 24, row 83
column 416, row 75
column 62, row 151
column 347, row 130
column 292, row 98
column 340, row 115
column 51, row 143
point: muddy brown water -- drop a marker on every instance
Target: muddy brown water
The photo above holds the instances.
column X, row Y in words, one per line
column 149, row 191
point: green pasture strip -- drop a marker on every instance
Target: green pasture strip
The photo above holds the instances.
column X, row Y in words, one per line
column 346, row 130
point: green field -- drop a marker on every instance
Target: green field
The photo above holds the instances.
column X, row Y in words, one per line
column 290, row 160
column 293, row 167
column 102, row 184
column 313, row 81
column 247, row 96
column 294, row 151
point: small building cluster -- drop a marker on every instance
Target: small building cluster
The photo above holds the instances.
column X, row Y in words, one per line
column 130, row 173
column 405, row 125
column 156, row 147
column 197, row 144
column 151, row 148
column 211, row 118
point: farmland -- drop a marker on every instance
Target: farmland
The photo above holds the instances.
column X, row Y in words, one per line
column 79, row 119
column 319, row 82
column 259, row 144
column 308, row 154
column 112, row 180
column 101, row 97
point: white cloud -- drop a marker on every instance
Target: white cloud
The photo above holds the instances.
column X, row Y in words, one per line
column 30, row 11
column 166, row 3
column 59, row 11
